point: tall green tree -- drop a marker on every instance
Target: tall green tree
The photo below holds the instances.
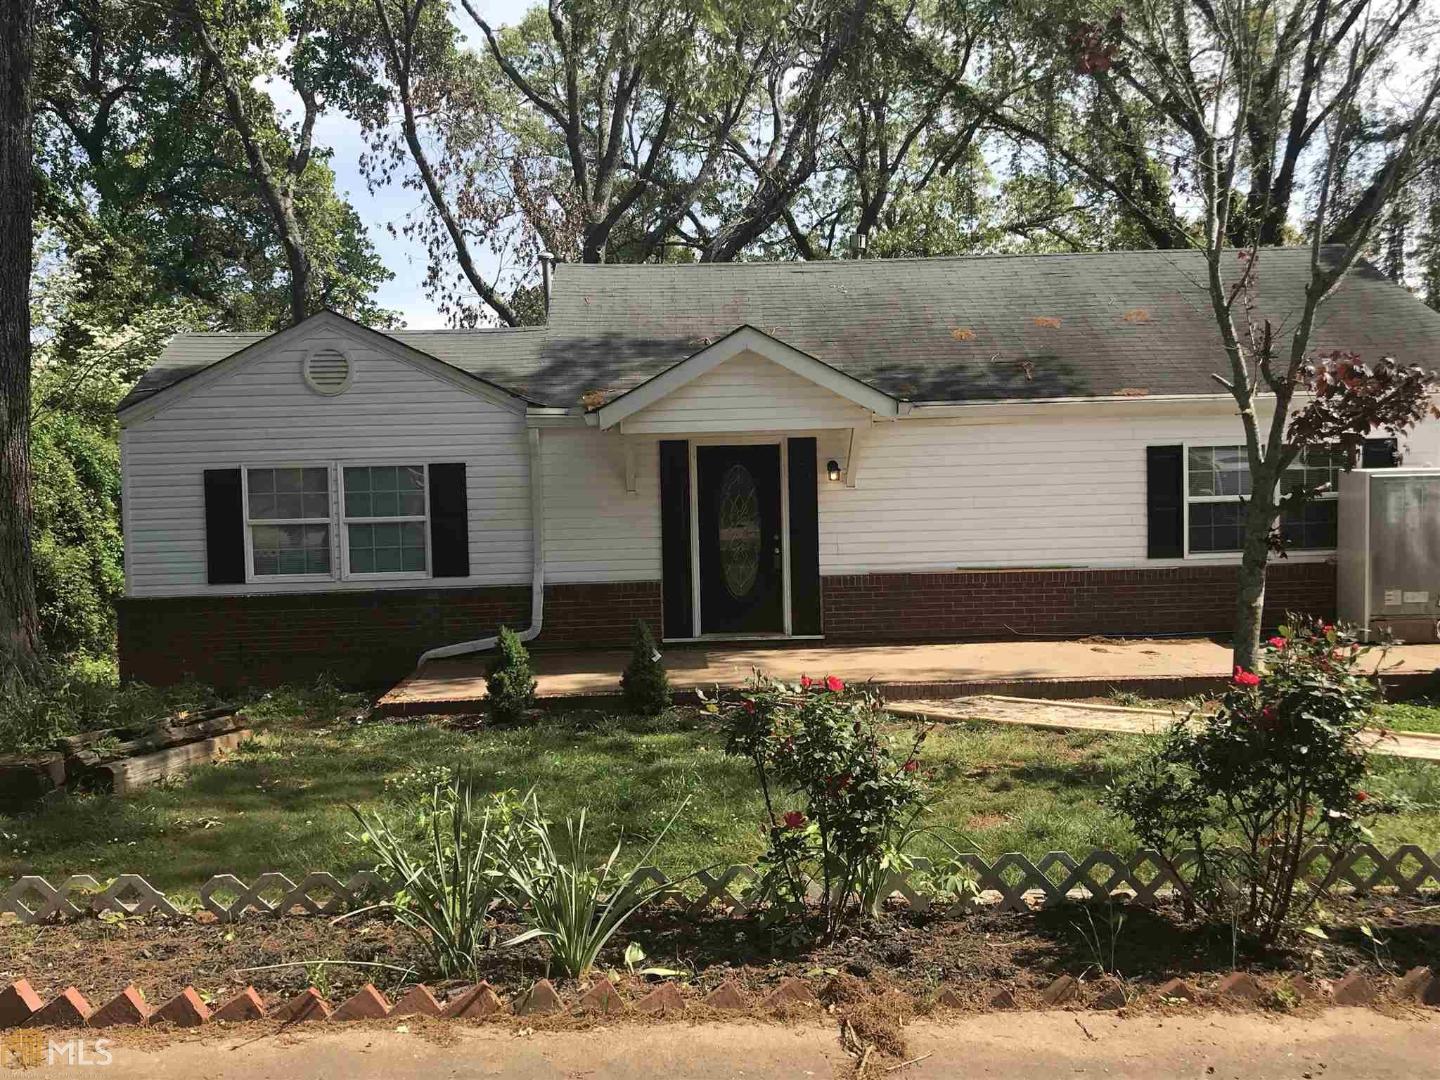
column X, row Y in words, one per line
column 1186, row 94
column 144, row 173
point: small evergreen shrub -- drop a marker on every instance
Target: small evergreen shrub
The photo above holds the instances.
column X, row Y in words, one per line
column 644, row 685
column 510, row 684
column 1276, row 770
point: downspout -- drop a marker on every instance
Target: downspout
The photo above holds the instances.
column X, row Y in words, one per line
column 537, row 576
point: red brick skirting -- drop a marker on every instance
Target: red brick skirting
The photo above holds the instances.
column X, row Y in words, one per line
column 368, row 638
column 373, row 638
column 992, row 605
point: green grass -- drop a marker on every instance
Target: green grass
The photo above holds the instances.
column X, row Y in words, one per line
column 1417, row 715
column 280, row 802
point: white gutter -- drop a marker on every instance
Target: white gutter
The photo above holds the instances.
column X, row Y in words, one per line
column 537, row 577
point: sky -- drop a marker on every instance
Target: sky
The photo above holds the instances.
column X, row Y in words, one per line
column 391, row 204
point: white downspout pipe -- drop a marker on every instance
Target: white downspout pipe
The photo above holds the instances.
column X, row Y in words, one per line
column 537, row 577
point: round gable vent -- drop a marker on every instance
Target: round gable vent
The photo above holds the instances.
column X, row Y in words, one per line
column 327, row 371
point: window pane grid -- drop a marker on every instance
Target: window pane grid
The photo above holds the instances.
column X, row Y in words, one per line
column 289, row 494
column 1218, row 480
column 290, row 549
column 384, row 509
column 288, row 509
column 385, row 491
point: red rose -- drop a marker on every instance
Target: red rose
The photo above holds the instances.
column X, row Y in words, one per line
column 794, row 820
column 1268, row 715
column 1244, row 678
column 1362, row 796
column 748, row 706
column 1327, row 629
column 911, row 765
column 806, row 682
column 833, row 684
column 1276, row 643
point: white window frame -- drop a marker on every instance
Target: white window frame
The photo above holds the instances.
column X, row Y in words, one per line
column 338, row 523
column 346, row 521
column 251, row 577
column 1222, row 556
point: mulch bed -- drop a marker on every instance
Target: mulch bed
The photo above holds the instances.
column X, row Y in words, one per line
column 916, row 954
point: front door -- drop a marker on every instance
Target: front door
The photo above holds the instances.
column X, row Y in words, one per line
column 742, row 580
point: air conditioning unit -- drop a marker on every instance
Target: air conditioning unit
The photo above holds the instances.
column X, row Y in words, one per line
column 1389, row 555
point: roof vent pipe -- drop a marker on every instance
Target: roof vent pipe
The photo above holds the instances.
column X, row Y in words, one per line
column 547, row 275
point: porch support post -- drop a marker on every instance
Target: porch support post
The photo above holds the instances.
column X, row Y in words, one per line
column 852, row 456
column 631, row 466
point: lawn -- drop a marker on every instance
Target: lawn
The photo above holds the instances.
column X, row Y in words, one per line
column 1412, row 716
column 281, row 801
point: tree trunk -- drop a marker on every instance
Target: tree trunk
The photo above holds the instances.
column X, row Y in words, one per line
column 19, row 620
column 1260, row 517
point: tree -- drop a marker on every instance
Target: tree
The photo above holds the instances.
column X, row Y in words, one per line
column 1189, row 91
column 275, row 180
column 19, row 619
column 143, row 176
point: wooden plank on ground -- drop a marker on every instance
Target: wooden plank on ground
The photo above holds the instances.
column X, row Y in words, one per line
column 131, row 773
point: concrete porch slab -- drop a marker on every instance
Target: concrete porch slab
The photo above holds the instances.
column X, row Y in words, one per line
column 1050, row 669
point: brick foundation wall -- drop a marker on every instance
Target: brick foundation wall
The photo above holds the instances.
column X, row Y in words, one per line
column 359, row 638
column 1000, row 604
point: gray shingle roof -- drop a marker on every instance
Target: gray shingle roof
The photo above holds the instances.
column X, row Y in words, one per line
column 973, row 328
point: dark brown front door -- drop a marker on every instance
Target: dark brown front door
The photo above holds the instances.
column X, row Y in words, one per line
column 741, row 578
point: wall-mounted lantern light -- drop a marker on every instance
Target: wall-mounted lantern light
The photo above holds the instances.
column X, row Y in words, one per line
column 832, row 469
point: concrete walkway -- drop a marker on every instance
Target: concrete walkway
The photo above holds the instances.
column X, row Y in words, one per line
column 1339, row 1043
column 1083, row 716
column 1051, row 669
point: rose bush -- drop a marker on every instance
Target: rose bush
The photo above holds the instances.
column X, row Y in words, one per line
column 843, row 801
column 1276, row 769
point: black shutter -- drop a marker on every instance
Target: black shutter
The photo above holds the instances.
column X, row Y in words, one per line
column 675, row 538
column 1380, row 454
column 1165, row 501
column 224, row 528
column 804, row 538
column 449, row 521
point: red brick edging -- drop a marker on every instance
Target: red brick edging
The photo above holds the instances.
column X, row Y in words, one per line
column 20, row 1006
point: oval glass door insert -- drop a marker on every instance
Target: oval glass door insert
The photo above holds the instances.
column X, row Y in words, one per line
column 739, row 530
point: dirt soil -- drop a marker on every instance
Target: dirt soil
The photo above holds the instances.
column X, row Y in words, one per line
column 912, row 953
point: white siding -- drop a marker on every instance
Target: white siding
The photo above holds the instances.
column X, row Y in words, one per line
column 943, row 494
column 746, row 393
column 263, row 413
column 595, row 530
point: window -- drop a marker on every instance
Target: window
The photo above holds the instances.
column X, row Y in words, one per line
column 1217, row 478
column 288, row 515
column 385, row 520
column 382, row 523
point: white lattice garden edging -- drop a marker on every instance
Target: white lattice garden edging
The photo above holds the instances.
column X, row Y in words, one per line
column 1012, row 882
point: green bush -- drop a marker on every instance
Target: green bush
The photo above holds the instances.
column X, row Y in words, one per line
column 78, row 561
column 644, row 686
column 67, row 699
column 843, row 800
column 510, row 685
column 1276, row 770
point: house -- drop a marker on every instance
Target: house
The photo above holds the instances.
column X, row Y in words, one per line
column 859, row 451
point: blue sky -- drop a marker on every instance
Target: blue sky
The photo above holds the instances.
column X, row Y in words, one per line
column 405, row 259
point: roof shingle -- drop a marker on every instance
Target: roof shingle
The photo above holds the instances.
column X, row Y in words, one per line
column 971, row 328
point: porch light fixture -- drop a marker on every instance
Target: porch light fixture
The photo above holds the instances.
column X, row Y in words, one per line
column 832, row 469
